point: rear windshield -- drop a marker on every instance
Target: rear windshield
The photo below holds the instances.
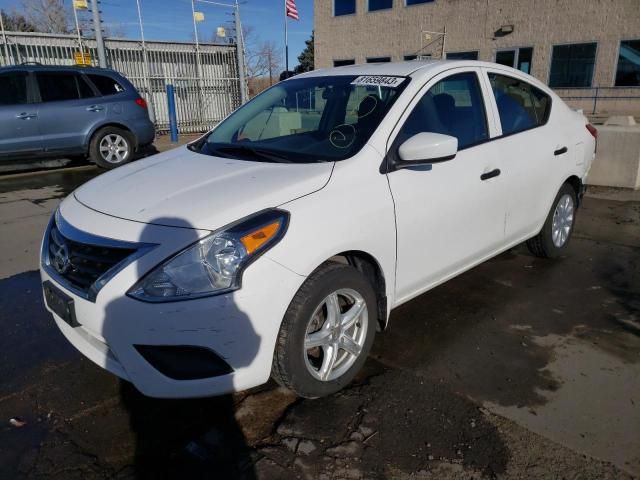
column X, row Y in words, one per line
column 106, row 85
column 306, row 120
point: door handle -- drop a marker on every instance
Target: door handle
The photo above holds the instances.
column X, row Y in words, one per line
column 26, row 116
column 491, row 174
column 560, row 151
column 95, row 108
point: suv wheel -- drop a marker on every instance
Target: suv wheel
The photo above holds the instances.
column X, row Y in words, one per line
column 326, row 333
column 111, row 147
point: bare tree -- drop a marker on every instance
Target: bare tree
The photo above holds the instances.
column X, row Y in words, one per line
column 15, row 22
column 264, row 60
column 48, row 16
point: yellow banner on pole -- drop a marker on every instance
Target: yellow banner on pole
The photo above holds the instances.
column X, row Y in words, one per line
column 80, row 4
column 198, row 16
column 82, row 58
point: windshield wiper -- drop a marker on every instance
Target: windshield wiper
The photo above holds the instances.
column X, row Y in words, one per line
column 256, row 153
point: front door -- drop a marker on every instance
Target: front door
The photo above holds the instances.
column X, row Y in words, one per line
column 449, row 215
column 19, row 133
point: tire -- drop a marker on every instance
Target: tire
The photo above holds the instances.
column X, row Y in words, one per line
column 552, row 241
column 300, row 369
column 111, row 147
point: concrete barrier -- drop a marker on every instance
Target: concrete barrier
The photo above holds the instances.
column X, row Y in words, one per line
column 617, row 162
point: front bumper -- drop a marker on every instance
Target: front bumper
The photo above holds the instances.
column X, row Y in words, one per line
column 240, row 327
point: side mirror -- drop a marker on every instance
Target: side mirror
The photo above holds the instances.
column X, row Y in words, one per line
column 426, row 148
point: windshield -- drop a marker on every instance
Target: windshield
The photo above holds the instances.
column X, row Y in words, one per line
column 305, row 120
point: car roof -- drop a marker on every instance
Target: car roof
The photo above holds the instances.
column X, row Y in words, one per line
column 35, row 67
column 387, row 68
column 421, row 69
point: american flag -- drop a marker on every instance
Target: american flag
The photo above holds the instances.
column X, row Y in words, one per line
column 291, row 9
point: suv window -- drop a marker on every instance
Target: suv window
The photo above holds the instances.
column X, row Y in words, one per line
column 520, row 105
column 453, row 106
column 106, row 85
column 84, row 88
column 13, row 88
column 58, row 86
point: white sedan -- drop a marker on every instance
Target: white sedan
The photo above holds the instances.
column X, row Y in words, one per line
column 278, row 243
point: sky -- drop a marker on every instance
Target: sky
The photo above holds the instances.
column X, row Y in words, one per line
column 171, row 20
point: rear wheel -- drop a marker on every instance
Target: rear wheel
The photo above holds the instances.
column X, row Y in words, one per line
column 326, row 333
column 111, row 147
column 554, row 237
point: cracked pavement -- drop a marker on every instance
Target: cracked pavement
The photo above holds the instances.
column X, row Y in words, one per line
column 519, row 368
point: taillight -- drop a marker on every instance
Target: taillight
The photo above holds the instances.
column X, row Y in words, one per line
column 141, row 102
column 592, row 130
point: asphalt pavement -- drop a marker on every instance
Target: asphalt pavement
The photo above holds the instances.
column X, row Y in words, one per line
column 519, row 368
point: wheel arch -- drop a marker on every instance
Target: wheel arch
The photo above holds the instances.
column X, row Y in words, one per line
column 577, row 185
column 370, row 268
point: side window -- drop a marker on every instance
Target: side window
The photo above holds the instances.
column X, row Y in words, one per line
column 453, row 106
column 106, row 85
column 56, row 87
column 13, row 88
column 84, row 88
column 521, row 106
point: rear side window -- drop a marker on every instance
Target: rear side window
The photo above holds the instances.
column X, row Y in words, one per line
column 106, row 85
column 13, row 88
column 453, row 106
column 84, row 88
column 521, row 106
column 56, row 87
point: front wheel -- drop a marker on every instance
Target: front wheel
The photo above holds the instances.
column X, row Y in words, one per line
column 326, row 333
column 111, row 147
column 554, row 237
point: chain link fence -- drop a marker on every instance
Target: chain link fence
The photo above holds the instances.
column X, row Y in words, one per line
column 206, row 82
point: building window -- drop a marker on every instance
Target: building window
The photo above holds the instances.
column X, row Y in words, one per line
column 519, row 58
column 572, row 65
column 342, row 63
column 380, row 5
column 416, row 2
column 378, row 59
column 462, row 55
column 411, row 57
column 344, row 7
column 628, row 71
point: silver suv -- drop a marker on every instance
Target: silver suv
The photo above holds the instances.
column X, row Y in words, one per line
column 54, row 111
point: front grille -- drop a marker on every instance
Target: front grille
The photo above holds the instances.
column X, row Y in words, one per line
column 81, row 264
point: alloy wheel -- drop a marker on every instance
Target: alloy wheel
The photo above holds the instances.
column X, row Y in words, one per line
column 336, row 334
column 114, row 148
column 562, row 220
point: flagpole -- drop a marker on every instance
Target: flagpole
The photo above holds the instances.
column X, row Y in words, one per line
column 286, row 41
column 4, row 39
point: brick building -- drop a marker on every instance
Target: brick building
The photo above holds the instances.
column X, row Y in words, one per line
column 588, row 50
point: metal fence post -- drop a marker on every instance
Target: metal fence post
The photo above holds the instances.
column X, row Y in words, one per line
column 173, row 121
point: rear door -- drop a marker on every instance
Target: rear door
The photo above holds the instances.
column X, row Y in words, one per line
column 530, row 148
column 69, row 109
column 19, row 133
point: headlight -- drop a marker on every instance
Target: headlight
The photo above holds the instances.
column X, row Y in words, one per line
column 214, row 264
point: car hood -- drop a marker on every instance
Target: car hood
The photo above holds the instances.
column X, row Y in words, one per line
column 181, row 188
